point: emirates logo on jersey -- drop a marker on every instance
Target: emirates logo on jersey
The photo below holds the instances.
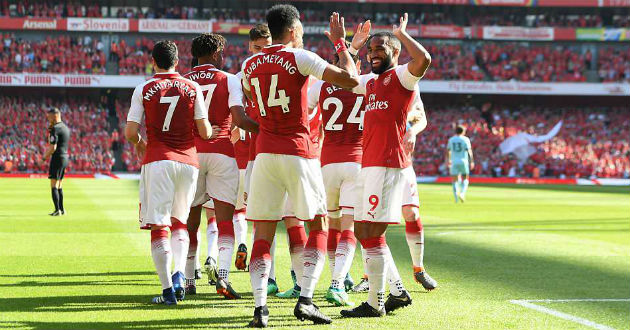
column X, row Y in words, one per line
column 387, row 80
column 373, row 104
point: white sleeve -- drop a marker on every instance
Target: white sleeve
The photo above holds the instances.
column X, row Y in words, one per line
column 309, row 63
column 363, row 79
column 313, row 94
column 200, row 108
column 235, row 91
column 136, row 110
column 244, row 81
column 408, row 80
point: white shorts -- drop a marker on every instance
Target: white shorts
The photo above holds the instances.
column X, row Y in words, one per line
column 218, row 179
column 410, row 190
column 167, row 189
column 380, row 190
column 274, row 176
column 248, row 177
column 339, row 181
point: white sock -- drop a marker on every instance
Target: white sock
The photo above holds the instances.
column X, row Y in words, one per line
column 198, row 251
column 314, row 258
column 179, row 244
column 162, row 256
column 240, row 228
column 226, row 248
column 343, row 258
column 297, row 240
column 396, row 286
column 272, row 252
column 415, row 241
column 376, row 264
column 464, row 187
column 191, row 258
column 259, row 271
column 455, row 184
column 212, row 234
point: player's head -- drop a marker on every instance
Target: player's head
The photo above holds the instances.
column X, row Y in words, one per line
column 259, row 38
column 355, row 58
column 208, row 49
column 460, row 130
column 383, row 49
column 164, row 55
column 53, row 115
column 285, row 26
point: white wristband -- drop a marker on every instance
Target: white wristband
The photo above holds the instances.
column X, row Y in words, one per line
column 353, row 51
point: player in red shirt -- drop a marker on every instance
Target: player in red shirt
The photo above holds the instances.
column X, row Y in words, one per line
column 218, row 177
column 341, row 163
column 380, row 184
column 276, row 80
column 172, row 106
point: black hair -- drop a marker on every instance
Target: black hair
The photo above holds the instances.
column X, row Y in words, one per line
column 391, row 41
column 207, row 44
column 259, row 31
column 459, row 129
column 280, row 18
column 165, row 54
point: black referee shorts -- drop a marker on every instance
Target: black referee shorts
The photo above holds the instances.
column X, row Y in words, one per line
column 57, row 167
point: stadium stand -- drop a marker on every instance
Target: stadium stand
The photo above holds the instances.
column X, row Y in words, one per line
column 23, row 130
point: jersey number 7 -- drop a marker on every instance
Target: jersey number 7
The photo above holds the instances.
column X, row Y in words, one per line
column 272, row 101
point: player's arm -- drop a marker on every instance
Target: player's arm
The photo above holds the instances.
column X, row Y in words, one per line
column 448, row 154
column 52, row 144
column 235, row 102
column 470, row 157
column 134, row 118
column 417, row 118
column 205, row 129
column 346, row 75
column 420, row 57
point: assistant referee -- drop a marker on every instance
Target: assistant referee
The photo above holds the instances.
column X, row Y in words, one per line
column 58, row 138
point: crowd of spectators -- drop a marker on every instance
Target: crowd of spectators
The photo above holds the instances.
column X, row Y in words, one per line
column 24, row 134
column 614, row 64
column 591, row 143
column 477, row 16
column 58, row 54
column 511, row 61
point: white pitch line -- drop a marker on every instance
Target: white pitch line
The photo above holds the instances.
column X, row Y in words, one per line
column 574, row 300
column 568, row 317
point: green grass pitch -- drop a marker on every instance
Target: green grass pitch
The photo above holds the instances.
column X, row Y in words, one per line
column 92, row 268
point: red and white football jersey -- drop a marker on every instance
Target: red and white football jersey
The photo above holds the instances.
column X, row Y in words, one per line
column 222, row 91
column 314, row 123
column 278, row 80
column 342, row 112
column 169, row 103
column 389, row 98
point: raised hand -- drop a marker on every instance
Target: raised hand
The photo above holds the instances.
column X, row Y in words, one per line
column 401, row 28
column 361, row 36
column 337, row 30
column 141, row 148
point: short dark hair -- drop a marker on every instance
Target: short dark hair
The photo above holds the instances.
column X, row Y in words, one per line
column 207, row 44
column 165, row 54
column 355, row 58
column 54, row 111
column 459, row 129
column 391, row 41
column 259, row 31
column 280, row 18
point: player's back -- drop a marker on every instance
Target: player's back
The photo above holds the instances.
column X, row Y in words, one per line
column 341, row 115
column 169, row 108
column 459, row 146
column 278, row 81
column 221, row 89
